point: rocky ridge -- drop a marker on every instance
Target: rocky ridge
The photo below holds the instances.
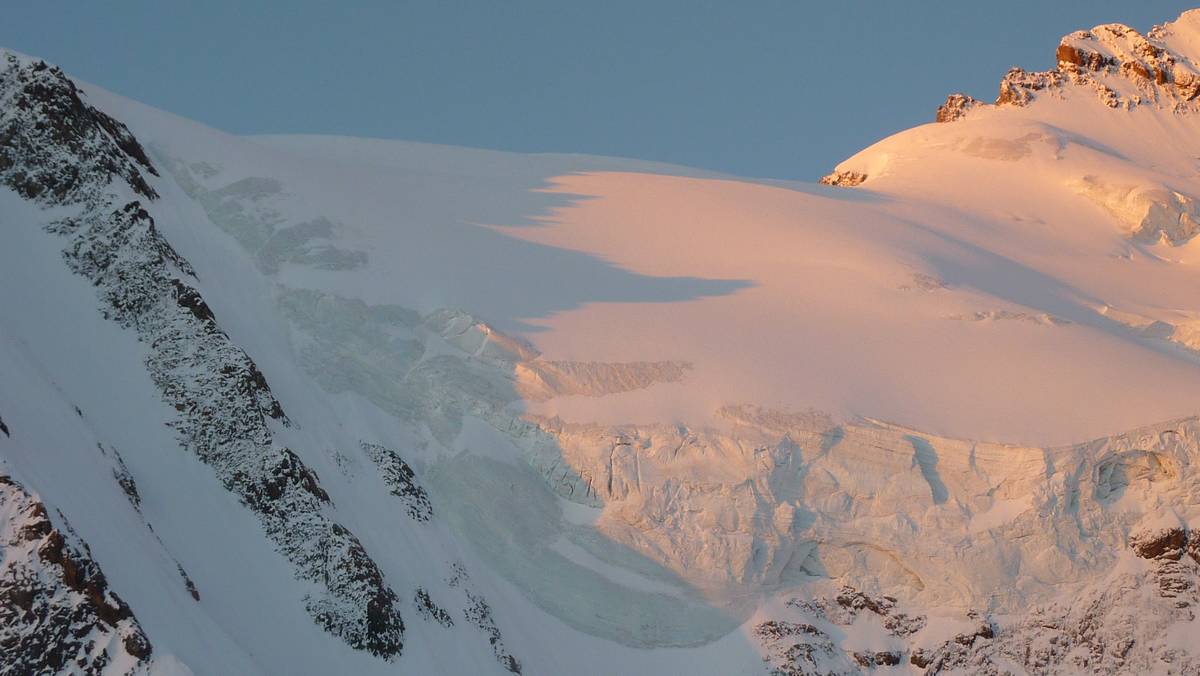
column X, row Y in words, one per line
column 1122, row 66
column 58, row 151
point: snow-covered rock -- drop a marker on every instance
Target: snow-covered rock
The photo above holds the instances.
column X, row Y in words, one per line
column 57, row 612
column 223, row 400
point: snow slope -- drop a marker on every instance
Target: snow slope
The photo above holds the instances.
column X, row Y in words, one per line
column 331, row 405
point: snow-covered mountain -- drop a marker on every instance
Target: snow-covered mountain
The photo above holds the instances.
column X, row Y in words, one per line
column 289, row 405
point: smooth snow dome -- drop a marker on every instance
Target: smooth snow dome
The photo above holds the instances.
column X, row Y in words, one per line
column 989, row 281
column 778, row 89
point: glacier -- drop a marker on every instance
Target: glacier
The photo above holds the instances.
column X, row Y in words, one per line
column 304, row 404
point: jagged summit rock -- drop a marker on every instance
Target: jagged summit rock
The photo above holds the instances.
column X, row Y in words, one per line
column 1123, row 67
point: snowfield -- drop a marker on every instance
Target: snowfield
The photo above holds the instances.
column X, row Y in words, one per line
column 335, row 405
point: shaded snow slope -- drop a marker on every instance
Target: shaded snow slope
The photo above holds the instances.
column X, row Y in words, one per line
column 330, row 405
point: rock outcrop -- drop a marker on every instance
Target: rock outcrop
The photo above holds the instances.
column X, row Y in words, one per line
column 57, row 612
column 401, row 480
column 58, row 151
column 478, row 612
column 844, row 179
column 1128, row 622
column 47, row 129
column 1123, row 67
column 956, row 106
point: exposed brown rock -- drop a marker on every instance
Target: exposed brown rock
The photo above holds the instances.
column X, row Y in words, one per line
column 844, row 179
column 1166, row 543
column 955, row 107
column 1082, row 58
column 57, row 612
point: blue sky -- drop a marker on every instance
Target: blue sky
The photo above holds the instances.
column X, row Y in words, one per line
column 774, row 88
